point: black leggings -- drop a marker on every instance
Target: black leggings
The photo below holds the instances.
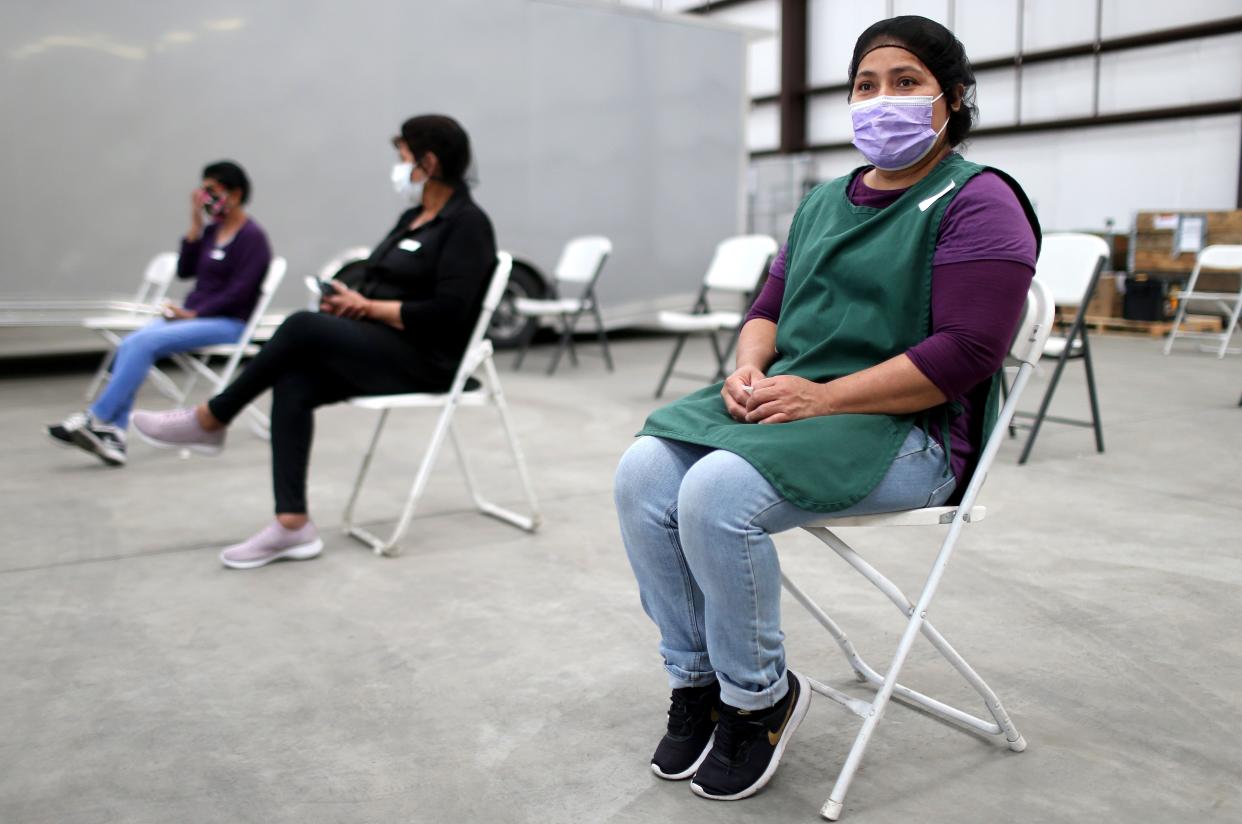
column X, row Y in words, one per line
column 316, row 359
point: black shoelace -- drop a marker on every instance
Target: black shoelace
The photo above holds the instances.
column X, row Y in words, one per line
column 735, row 736
column 684, row 713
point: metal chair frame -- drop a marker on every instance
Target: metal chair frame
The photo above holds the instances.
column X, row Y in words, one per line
column 478, row 356
column 1075, row 345
column 582, row 261
column 1217, row 256
column 1025, row 352
column 723, row 275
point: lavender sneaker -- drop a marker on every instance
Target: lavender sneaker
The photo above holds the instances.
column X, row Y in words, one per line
column 177, row 429
column 272, row 543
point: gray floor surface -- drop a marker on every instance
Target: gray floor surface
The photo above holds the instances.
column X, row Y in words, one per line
column 492, row 676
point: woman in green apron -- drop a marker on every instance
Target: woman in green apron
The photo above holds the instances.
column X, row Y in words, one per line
column 865, row 382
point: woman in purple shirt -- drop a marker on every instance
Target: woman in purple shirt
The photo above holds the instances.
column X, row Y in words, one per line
column 227, row 254
column 866, row 375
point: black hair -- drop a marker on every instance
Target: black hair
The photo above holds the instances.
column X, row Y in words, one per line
column 942, row 54
column 443, row 135
column 229, row 175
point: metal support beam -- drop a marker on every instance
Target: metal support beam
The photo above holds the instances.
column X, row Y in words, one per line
column 793, row 75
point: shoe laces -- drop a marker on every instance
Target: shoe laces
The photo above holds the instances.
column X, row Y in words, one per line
column 684, row 711
column 735, row 735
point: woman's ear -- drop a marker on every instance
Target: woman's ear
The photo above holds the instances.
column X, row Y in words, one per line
column 430, row 165
column 958, row 93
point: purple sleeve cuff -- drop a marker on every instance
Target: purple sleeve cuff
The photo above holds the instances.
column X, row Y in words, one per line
column 976, row 307
column 768, row 304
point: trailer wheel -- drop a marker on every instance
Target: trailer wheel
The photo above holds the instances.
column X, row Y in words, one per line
column 508, row 329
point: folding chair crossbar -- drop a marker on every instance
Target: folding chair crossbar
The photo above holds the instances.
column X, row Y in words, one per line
column 886, row 683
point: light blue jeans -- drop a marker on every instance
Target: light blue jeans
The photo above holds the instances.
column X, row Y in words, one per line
column 697, row 525
column 140, row 350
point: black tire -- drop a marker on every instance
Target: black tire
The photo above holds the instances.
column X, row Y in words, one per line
column 508, row 329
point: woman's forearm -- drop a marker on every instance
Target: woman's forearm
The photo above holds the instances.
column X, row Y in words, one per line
column 385, row 311
column 894, row 387
column 756, row 344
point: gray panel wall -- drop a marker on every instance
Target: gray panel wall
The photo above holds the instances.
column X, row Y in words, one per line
column 585, row 119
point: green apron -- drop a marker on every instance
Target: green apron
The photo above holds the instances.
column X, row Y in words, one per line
column 857, row 292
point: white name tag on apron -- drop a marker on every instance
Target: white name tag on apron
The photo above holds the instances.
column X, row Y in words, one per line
column 409, row 245
column 217, row 254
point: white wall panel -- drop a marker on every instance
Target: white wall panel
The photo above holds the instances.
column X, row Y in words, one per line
column 1195, row 71
column 1079, row 178
column 1134, row 16
column 987, row 28
column 831, row 165
column 1062, row 88
column 832, row 28
column 994, row 95
column 1050, row 23
column 763, row 127
column 828, row 119
column 763, row 75
column 937, row 10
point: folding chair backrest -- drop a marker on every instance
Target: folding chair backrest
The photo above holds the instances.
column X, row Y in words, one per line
column 495, row 293
column 1219, row 256
column 336, row 264
column 271, row 282
column 739, row 263
column 1032, row 333
column 583, row 259
column 157, row 277
column 1067, row 265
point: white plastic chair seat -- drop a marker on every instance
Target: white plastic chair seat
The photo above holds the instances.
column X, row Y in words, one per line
column 929, row 516
column 535, row 306
column 1055, row 346
column 119, row 323
column 419, row 400
column 704, row 322
column 223, row 350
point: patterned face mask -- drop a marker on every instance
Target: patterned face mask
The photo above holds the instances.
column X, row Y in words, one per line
column 215, row 206
column 894, row 131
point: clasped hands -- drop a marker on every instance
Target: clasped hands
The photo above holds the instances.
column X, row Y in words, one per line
column 346, row 303
column 779, row 399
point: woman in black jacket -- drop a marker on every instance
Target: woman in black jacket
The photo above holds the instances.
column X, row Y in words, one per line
column 401, row 326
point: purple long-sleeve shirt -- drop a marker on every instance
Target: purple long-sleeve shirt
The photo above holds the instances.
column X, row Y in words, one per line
column 227, row 278
column 981, row 271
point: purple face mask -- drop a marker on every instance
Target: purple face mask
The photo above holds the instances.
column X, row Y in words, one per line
column 895, row 132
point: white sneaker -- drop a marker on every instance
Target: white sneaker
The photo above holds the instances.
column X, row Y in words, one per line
column 274, row 543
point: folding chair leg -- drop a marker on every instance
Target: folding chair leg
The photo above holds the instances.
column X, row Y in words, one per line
column 566, row 342
column 101, row 374
column 519, row 460
column 728, row 352
column 347, row 518
column 1227, row 333
column 1177, row 323
column 521, row 355
column 1043, row 404
column 602, row 335
column 1095, row 404
column 672, row 361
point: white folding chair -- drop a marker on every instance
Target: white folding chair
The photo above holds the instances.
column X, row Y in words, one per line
column 1027, row 346
column 581, row 263
column 197, row 362
column 1230, row 303
column 736, row 267
column 464, row 391
column 1069, row 264
column 129, row 318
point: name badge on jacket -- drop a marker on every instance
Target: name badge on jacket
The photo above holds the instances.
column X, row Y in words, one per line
column 408, row 245
column 217, row 254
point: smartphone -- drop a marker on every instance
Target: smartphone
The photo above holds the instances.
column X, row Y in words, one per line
column 323, row 288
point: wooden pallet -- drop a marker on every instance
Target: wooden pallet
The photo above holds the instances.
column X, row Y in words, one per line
column 1153, row 328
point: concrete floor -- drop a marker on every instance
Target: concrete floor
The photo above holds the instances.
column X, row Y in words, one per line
column 493, row 676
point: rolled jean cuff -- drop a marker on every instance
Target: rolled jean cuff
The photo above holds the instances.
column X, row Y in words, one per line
column 741, row 699
column 679, row 678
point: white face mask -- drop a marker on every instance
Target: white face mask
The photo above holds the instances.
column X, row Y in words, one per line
column 402, row 184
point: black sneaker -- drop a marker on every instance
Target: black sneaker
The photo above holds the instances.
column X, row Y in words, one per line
column 103, row 440
column 749, row 745
column 692, row 717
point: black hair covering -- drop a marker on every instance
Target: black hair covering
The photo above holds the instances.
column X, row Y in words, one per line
column 229, row 175
column 445, row 137
column 941, row 52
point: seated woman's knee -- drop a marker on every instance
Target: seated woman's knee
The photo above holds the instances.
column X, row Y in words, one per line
column 633, row 479
column 720, row 486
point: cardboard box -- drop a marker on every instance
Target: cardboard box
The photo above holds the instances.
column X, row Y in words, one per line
column 1106, row 301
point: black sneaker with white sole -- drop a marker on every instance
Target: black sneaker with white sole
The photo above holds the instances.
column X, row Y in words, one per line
column 103, row 440
column 749, row 745
column 692, row 716
column 62, row 433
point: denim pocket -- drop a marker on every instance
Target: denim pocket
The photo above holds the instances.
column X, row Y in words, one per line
column 941, row 493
